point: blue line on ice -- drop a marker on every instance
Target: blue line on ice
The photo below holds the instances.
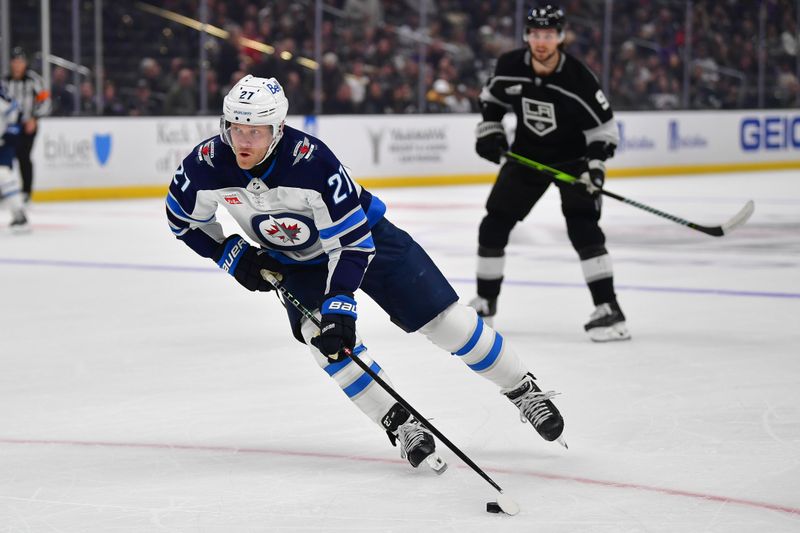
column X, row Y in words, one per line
column 519, row 283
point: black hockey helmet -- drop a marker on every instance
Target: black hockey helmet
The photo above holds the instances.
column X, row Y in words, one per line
column 547, row 16
column 18, row 52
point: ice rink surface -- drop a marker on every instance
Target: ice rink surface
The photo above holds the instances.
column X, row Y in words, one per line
column 141, row 389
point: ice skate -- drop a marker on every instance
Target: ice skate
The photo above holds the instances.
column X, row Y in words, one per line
column 486, row 308
column 19, row 224
column 607, row 323
column 535, row 407
column 416, row 441
column 417, row 445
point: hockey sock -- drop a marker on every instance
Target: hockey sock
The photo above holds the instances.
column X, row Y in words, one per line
column 602, row 291
column 9, row 191
column 464, row 334
column 491, row 264
column 598, row 273
column 357, row 385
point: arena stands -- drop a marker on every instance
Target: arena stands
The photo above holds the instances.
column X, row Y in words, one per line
column 371, row 53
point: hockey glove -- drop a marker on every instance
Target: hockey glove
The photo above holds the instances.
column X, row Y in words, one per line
column 244, row 262
column 338, row 327
column 491, row 143
column 594, row 178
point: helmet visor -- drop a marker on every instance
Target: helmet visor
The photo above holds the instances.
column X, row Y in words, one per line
column 239, row 134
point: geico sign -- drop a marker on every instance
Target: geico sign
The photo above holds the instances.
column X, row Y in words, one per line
column 770, row 133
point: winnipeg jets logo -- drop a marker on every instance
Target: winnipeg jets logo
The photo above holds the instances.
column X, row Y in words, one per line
column 303, row 150
column 206, row 153
column 288, row 234
column 539, row 117
column 285, row 231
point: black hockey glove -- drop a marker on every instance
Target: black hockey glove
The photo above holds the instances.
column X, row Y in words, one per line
column 244, row 262
column 338, row 327
column 594, row 177
column 491, row 142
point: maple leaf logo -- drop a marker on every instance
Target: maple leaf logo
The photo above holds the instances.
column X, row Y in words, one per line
column 283, row 232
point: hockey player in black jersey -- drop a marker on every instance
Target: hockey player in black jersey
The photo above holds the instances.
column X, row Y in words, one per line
column 309, row 222
column 563, row 120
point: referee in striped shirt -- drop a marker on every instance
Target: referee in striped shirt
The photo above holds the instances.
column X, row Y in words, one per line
column 27, row 88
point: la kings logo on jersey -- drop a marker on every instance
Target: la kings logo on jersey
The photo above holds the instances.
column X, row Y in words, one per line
column 539, row 117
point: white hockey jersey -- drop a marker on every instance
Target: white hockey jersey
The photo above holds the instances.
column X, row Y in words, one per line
column 302, row 208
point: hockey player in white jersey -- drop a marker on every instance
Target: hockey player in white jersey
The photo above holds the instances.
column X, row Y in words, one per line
column 308, row 221
column 10, row 190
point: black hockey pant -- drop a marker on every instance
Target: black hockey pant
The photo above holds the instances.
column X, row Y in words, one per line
column 514, row 194
column 24, row 147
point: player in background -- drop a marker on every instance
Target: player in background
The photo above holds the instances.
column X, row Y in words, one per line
column 26, row 87
column 327, row 237
column 10, row 192
column 564, row 121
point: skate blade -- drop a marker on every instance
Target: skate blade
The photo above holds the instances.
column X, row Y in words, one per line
column 562, row 442
column 436, row 463
column 21, row 230
column 617, row 332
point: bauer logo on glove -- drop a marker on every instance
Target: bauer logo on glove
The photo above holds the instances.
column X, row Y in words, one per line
column 232, row 254
column 347, row 307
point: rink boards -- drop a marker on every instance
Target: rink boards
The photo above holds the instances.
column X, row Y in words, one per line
column 126, row 157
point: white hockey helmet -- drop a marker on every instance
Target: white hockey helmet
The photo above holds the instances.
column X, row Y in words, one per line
column 255, row 102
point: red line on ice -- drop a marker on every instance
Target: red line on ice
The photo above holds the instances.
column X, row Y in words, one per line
column 542, row 475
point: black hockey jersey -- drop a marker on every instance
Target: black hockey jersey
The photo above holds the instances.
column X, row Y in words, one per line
column 558, row 115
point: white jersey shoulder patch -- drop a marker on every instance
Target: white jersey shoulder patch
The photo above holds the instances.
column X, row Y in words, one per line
column 205, row 152
column 303, row 150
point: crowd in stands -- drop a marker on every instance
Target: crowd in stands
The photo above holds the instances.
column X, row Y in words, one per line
column 371, row 54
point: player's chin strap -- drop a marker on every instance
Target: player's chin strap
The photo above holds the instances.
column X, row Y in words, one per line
column 715, row 231
column 508, row 505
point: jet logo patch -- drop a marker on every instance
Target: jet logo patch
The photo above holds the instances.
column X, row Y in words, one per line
column 285, row 231
column 206, row 153
column 288, row 234
column 303, row 150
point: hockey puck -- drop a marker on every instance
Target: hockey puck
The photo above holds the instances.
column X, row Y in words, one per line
column 493, row 507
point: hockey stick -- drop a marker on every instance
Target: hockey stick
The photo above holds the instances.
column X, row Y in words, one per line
column 715, row 231
column 505, row 502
